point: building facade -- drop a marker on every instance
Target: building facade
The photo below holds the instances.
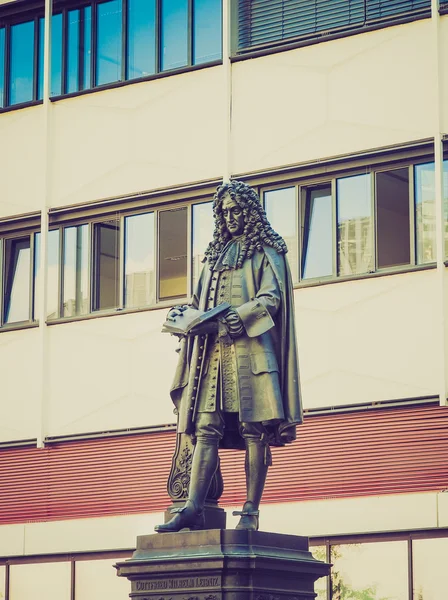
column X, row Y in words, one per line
column 118, row 119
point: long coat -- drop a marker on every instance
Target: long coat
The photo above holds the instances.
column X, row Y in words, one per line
column 266, row 355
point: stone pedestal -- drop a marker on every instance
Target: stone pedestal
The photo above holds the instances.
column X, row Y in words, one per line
column 220, row 564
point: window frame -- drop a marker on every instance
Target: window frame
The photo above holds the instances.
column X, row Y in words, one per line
column 307, row 182
column 11, row 15
column 330, row 33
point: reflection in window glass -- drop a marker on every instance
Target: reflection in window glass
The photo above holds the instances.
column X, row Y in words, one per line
column 109, row 44
column 2, row 66
column 52, row 275
column 76, row 271
column 280, row 206
column 392, row 218
column 97, row 579
column 207, row 36
column 425, row 211
column 141, row 59
column 107, row 262
column 73, row 22
column 31, row 581
column 355, row 235
column 203, row 225
column 353, row 576
column 22, row 63
column 56, row 55
column 174, row 34
column 317, row 232
column 17, row 280
column 321, row 585
column 139, row 260
column 86, row 47
column 429, row 568
column 172, row 253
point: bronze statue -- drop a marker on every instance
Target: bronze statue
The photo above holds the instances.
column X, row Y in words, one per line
column 237, row 382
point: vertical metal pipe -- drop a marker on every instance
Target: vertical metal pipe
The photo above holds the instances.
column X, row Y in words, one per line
column 227, row 86
column 43, row 333
column 440, row 218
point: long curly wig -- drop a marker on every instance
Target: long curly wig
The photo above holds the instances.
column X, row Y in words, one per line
column 257, row 229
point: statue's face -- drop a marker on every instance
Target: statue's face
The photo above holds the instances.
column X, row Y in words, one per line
column 233, row 216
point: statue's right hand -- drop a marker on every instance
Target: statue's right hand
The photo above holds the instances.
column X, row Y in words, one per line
column 176, row 311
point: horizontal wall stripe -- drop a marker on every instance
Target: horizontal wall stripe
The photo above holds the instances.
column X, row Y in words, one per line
column 381, row 451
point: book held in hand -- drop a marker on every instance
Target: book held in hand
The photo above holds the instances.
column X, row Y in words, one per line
column 190, row 318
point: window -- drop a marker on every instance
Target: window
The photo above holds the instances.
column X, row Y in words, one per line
column 428, row 561
column 104, row 42
column 75, row 271
column 354, row 218
column 52, row 275
column 172, row 253
column 107, row 265
column 317, row 232
column 383, row 219
column 280, row 206
column 141, row 57
column 203, row 225
column 139, row 264
column 393, row 218
column 31, row 581
column 425, row 209
column 95, row 578
column 21, row 82
column 2, row 66
column 109, row 43
column 174, row 34
column 262, row 23
column 17, row 278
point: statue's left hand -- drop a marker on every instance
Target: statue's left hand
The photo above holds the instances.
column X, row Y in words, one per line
column 176, row 311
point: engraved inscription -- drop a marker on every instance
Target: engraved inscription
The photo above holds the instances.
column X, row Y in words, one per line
column 177, row 584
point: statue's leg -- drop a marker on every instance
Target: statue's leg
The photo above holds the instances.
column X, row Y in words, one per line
column 204, row 464
column 258, row 460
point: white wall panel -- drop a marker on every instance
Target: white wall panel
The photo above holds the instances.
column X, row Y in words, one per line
column 399, row 512
column 368, row 340
column 360, row 341
column 138, row 137
column 332, row 98
column 110, row 373
column 22, row 161
column 19, row 376
column 443, row 57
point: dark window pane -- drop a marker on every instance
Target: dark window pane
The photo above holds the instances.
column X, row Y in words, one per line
column 73, row 25
column 17, row 280
column 56, row 55
column 139, row 260
column 141, row 59
column 353, row 576
column 207, row 31
column 355, row 232
column 86, row 49
column 173, row 253
column 392, row 213
column 76, row 271
column 107, row 262
column 2, row 66
column 203, row 225
column 317, row 232
column 52, row 275
column 40, row 60
column 22, row 63
column 174, row 34
column 281, row 211
column 109, row 46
